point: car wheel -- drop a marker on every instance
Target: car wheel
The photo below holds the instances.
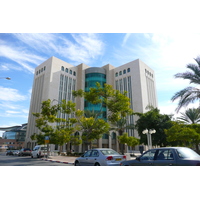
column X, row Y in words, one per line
column 96, row 164
column 77, row 163
column 38, row 156
column 31, row 156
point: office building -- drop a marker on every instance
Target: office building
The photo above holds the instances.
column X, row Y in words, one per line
column 56, row 79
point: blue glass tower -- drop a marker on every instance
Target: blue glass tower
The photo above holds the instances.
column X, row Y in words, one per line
column 92, row 76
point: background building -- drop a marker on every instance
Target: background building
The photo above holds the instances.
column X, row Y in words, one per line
column 13, row 137
column 56, row 79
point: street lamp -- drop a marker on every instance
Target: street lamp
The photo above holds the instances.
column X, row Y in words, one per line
column 8, row 78
column 149, row 132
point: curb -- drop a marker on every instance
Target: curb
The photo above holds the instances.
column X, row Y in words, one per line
column 56, row 161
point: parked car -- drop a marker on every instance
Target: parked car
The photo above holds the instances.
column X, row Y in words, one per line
column 178, row 156
column 9, row 152
column 16, row 152
column 24, row 152
column 39, row 151
column 100, row 157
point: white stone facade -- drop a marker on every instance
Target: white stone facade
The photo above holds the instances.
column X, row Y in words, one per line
column 55, row 79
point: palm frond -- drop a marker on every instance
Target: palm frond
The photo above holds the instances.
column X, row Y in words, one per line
column 191, row 116
column 186, row 96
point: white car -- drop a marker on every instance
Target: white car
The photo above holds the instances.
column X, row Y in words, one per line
column 100, row 157
column 16, row 152
column 39, row 151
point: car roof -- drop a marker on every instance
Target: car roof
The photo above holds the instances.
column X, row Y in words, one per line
column 170, row 148
column 101, row 149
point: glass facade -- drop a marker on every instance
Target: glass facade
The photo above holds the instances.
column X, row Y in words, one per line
column 11, row 135
column 90, row 82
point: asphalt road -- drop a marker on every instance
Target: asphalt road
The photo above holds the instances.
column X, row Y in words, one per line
column 26, row 161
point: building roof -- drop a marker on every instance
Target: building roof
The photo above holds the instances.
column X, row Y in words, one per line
column 14, row 128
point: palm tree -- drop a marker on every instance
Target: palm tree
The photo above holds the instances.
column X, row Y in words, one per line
column 191, row 116
column 190, row 94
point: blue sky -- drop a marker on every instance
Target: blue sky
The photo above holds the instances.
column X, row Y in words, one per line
column 166, row 54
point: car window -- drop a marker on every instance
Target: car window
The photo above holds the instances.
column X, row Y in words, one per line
column 109, row 152
column 87, row 154
column 166, row 154
column 94, row 153
column 149, row 155
column 186, row 153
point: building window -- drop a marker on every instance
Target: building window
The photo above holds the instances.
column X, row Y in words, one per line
column 128, row 70
column 62, row 68
column 70, row 71
column 120, row 73
column 116, row 74
column 37, row 73
column 44, row 68
column 124, row 72
column 66, row 70
column 74, row 73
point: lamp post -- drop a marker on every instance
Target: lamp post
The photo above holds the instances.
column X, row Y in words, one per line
column 149, row 132
column 8, row 78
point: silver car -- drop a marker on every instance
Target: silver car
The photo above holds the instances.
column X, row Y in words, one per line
column 178, row 156
column 100, row 157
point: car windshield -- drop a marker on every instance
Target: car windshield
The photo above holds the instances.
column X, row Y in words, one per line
column 109, row 152
column 186, row 153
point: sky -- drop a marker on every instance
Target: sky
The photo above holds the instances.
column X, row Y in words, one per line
column 20, row 53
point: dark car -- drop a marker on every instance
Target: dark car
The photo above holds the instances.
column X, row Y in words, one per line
column 9, row 152
column 24, row 152
column 178, row 156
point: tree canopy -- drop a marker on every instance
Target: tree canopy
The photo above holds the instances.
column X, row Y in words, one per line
column 153, row 120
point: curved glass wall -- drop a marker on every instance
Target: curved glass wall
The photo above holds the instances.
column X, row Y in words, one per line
column 92, row 76
column 19, row 136
column 9, row 135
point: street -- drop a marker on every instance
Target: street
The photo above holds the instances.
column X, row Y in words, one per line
column 26, row 161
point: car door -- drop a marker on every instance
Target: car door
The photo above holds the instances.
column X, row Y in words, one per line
column 92, row 159
column 147, row 159
column 165, row 157
column 84, row 160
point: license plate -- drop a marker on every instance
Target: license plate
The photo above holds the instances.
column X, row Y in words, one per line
column 117, row 159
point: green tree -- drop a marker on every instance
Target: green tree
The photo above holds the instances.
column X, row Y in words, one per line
column 60, row 130
column 121, row 126
column 189, row 94
column 92, row 127
column 129, row 140
column 191, row 116
column 153, row 120
column 184, row 134
column 117, row 104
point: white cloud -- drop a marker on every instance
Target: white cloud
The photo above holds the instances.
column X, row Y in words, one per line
column 8, row 66
column 10, row 94
column 84, row 48
column 12, row 112
column 127, row 35
column 19, row 55
column 44, row 42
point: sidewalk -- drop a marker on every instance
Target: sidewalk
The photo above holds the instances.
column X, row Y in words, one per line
column 61, row 159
